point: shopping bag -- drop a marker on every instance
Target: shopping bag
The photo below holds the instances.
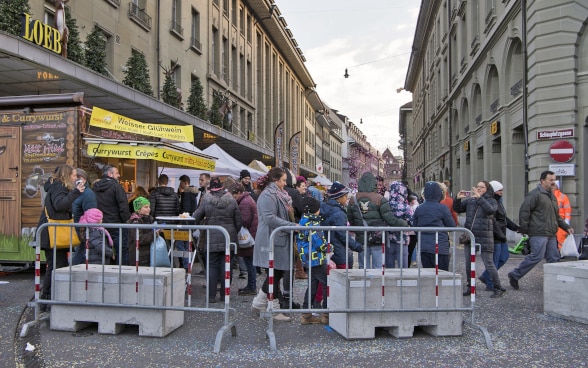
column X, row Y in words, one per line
column 61, row 237
column 159, row 256
column 568, row 248
column 245, row 240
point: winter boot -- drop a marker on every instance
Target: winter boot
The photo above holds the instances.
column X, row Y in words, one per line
column 310, row 319
column 259, row 303
column 280, row 317
column 498, row 291
column 285, row 302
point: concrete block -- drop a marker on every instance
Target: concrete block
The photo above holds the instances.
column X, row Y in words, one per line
column 407, row 294
column 147, row 287
column 565, row 290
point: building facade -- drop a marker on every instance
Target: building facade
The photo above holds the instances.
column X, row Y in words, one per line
column 495, row 84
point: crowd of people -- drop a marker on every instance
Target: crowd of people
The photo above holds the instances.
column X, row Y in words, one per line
column 280, row 199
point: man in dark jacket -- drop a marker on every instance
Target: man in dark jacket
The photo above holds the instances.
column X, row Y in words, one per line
column 187, row 195
column 333, row 214
column 112, row 201
column 372, row 207
column 245, row 180
column 163, row 199
column 539, row 218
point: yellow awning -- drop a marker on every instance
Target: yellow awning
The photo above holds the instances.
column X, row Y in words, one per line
column 158, row 151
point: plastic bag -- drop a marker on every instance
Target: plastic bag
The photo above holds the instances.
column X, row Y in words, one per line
column 159, row 256
column 568, row 248
column 245, row 239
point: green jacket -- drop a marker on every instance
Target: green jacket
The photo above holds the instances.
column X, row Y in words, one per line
column 374, row 207
column 539, row 214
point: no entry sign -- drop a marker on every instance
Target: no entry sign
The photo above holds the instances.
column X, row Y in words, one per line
column 561, row 151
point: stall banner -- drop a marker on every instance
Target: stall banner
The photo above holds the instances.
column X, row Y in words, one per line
column 295, row 153
column 109, row 120
column 162, row 154
column 278, row 143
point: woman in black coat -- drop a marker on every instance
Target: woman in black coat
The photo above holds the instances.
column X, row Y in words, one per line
column 61, row 193
column 480, row 208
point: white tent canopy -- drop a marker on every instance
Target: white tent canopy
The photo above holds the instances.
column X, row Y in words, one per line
column 226, row 165
column 258, row 165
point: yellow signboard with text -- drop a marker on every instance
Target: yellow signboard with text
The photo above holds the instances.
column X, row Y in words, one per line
column 109, row 120
column 162, row 154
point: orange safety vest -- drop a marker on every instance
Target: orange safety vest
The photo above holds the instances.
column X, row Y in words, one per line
column 565, row 211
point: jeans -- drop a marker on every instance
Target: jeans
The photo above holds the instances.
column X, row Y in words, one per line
column 541, row 247
column 184, row 247
column 393, row 256
column 373, row 254
column 251, row 274
column 216, row 275
column 488, row 259
column 501, row 255
column 116, row 234
column 317, row 274
column 428, row 261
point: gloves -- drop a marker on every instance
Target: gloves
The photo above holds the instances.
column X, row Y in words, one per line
column 357, row 247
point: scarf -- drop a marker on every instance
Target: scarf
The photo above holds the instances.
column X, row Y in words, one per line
column 283, row 197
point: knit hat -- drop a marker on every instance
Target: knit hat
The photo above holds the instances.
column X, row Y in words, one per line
column 337, row 190
column 310, row 204
column 496, row 185
column 215, row 184
column 244, row 174
column 91, row 216
column 139, row 202
column 82, row 173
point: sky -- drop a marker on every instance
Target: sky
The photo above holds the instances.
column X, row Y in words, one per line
column 372, row 39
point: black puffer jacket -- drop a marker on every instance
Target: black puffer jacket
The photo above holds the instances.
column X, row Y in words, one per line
column 58, row 203
column 188, row 200
column 164, row 202
column 220, row 209
column 502, row 222
column 483, row 219
column 112, row 201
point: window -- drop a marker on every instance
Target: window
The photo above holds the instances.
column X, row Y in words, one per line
column 176, row 21
column 195, row 32
column 176, row 74
column 234, row 12
column 215, row 52
column 225, row 60
column 241, row 20
column 49, row 17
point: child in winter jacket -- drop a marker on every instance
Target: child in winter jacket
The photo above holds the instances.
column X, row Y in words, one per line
column 141, row 215
column 99, row 243
column 312, row 248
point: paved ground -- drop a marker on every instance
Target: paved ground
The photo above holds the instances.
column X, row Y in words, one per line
column 522, row 336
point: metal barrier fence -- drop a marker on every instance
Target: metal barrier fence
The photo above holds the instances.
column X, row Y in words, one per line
column 107, row 301
column 403, row 278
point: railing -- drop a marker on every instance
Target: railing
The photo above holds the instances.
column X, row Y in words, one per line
column 479, row 119
column 516, row 88
column 139, row 15
column 494, row 106
column 194, row 43
column 177, row 27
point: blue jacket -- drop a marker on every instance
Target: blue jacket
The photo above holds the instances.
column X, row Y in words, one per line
column 333, row 214
column 317, row 250
column 84, row 202
column 433, row 214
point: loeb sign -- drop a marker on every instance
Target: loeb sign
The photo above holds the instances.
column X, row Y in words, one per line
column 40, row 33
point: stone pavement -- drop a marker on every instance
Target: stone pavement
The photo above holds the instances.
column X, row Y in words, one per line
column 522, row 336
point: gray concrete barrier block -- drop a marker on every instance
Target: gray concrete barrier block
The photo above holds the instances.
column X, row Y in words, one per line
column 409, row 293
column 565, row 290
column 148, row 286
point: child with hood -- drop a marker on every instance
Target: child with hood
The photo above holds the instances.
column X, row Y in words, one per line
column 398, row 199
column 99, row 242
column 141, row 215
column 433, row 214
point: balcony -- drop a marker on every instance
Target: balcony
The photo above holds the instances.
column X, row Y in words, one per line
column 479, row 119
column 475, row 45
column 494, row 106
column 139, row 16
column 490, row 20
column 516, row 88
column 176, row 29
column 114, row 3
column 196, row 45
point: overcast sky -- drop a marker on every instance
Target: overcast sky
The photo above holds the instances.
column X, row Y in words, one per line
column 372, row 39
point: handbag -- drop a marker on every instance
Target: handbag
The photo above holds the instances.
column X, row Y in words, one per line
column 61, row 237
column 373, row 237
column 583, row 248
column 244, row 238
column 465, row 238
column 158, row 253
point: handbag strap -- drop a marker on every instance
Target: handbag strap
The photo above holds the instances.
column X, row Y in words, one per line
column 359, row 209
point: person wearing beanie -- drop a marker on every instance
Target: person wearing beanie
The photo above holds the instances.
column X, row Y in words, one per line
column 501, row 223
column 141, row 215
column 312, row 250
column 245, row 181
column 96, row 240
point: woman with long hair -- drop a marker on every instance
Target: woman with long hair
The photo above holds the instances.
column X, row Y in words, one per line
column 61, row 192
column 274, row 207
column 138, row 192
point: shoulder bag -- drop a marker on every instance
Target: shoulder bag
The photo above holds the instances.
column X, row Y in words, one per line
column 61, row 237
column 465, row 238
column 373, row 237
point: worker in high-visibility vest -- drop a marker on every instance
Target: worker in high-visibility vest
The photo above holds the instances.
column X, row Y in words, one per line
column 565, row 211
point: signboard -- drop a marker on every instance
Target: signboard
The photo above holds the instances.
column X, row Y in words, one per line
column 40, row 33
column 563, row 169
column 162, row 154
column 278, row 143
column 109, row 120
column 561, row 151
column 495, row 128
column 295, row 153
column 555, row 134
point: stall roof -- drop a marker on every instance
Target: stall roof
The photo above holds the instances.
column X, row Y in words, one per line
column 26, row 69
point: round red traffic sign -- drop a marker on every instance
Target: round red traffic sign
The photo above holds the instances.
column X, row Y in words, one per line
column 561, row 151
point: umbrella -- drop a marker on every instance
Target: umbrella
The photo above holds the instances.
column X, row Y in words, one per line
column 322, row 180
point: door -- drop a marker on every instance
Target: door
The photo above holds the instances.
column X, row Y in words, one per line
column 9, row 182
